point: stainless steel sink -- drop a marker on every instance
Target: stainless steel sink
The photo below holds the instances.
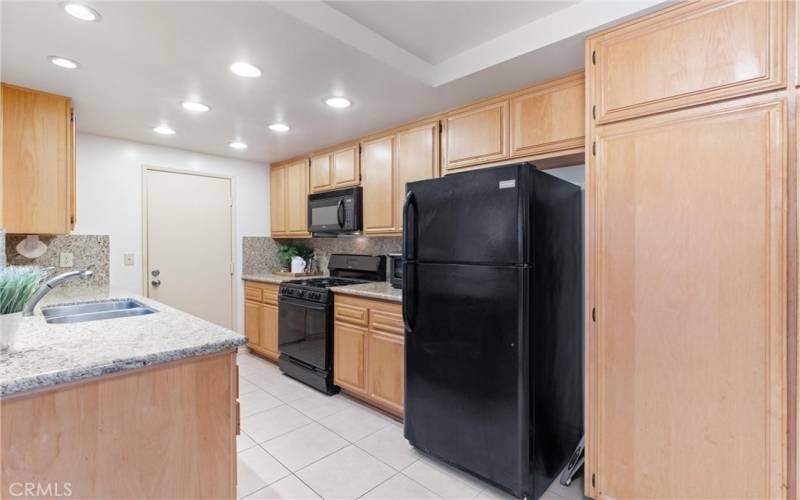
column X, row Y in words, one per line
column 93, row 311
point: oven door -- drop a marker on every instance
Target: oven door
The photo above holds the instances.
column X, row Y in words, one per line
column 303, row 331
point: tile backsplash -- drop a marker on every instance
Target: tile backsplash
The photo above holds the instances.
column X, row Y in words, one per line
column 260, row 253
column 88, row 251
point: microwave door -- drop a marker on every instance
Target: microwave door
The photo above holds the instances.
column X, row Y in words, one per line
column 326, row 215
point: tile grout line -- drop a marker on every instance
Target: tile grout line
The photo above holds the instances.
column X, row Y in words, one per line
column 291, row 472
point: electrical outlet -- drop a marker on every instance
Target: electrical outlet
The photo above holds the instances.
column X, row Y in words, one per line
column 128, row 259
column 66, row 259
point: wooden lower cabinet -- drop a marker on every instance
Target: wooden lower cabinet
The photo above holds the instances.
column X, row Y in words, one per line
column 369, row 351
column 165, row 431
column 261, row 318
column 686, row 361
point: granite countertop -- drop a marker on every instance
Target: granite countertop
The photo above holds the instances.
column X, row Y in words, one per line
column 50, row 354
column 268, row 278
column 375, row 290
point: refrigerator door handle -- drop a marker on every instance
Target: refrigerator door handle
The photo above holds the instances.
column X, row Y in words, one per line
column 409, row 296
column 409, row 230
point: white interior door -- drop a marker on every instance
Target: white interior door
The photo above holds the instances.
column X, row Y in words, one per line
column 189, row 255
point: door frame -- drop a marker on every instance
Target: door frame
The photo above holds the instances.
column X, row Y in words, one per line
column 145, row 257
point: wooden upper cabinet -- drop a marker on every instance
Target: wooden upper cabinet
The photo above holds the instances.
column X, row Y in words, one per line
column 476, row 134
column 320, row 173
column 686, row 55
column 377, row 183
column 277, row 199
column 346, row 167
column 549, row 118
column 417, row 159
column 697, row 363
column 297, row 198
column 38, row 168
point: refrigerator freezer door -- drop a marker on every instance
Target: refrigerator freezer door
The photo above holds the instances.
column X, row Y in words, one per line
column 470, row 217
column 467, row 384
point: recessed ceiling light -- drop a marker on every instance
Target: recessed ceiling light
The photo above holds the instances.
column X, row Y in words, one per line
column 195, row 106
column 63, row 62
column 337, row 102
column 246, row 70
column 81, row 11
column 164, row 130
column 279, row 127
column 238, row 145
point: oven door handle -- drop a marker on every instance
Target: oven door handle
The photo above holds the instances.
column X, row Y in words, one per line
column 301, row 303
column 340, row 212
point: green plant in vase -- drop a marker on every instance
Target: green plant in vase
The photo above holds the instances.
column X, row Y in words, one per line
column 285, row 255
column 17, row 286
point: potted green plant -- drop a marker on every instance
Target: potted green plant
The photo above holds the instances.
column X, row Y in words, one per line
column 17, row 286
column 285, row 255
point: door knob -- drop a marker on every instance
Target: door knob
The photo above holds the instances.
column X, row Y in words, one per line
column 155, row 273
column 155, row 282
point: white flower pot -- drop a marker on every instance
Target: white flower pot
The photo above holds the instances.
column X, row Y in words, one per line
column 9, row 324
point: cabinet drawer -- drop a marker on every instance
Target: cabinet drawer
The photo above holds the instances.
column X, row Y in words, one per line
column 352, row 313
column 386, row 322
column 252, row 293
column 270, row 296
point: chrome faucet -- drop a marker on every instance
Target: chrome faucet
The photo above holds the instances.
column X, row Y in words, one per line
column 49, row 285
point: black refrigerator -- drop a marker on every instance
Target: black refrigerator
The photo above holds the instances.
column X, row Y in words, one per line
column 492, row 305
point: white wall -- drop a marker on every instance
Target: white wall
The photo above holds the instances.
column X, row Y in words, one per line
column 109, row 192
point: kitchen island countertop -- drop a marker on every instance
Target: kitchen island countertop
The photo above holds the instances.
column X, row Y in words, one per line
column 46, row 355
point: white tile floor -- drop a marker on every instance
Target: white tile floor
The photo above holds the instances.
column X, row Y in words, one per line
column 297, row 443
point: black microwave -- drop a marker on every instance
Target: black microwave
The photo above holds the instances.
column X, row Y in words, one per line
column 335, row 212
column 396, row 269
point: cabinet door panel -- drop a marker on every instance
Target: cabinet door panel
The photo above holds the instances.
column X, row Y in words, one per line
column 320, row 173
column 297, row 198
column 277, row 199
column 477, row 135
column 350, row 357
column 691, row 54
column 417, row 159
column 252, row 322
column 386, row 370
column 37, row 162
column 690, row 291
column 268, row 337
column 377, row 185
column 549, row 118
column 346, row 170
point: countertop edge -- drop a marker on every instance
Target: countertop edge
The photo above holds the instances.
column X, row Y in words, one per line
column 56, row 379
column 349, row 290
column 267, row 278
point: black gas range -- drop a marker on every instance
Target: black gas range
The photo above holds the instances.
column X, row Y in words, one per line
column 305, row 318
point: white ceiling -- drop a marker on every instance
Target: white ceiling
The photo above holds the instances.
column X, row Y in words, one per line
column 143, row 58
column 435, row 31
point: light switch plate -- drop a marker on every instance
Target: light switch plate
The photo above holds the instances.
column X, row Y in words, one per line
column 66, row 259
column 128, row 259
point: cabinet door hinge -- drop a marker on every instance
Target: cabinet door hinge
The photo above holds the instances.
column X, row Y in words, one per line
column 594, row 316
column 594, row 148
column 594, row 57
column 359, row 149
column 593, row 481
column 594, row 111
column 72, row 116
column 72, row 220
column 441, row 128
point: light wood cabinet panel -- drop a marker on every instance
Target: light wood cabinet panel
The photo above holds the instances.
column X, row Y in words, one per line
column 549, row 118
column 38, row 162
column 321, row 173
column 268, row 330
column 252, row 322
column 277, row 199
column 346, row 168
column 297, row 198
column 370, row 357
column 350, row 358
column 377, row 185
column 477, row 134
column 386, row 364
column 162, row 431
column 693, row 53
column 261, row 318
column 689, row 266
column 417, row 159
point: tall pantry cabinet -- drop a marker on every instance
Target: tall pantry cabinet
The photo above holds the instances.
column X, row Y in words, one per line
column 690, row 281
